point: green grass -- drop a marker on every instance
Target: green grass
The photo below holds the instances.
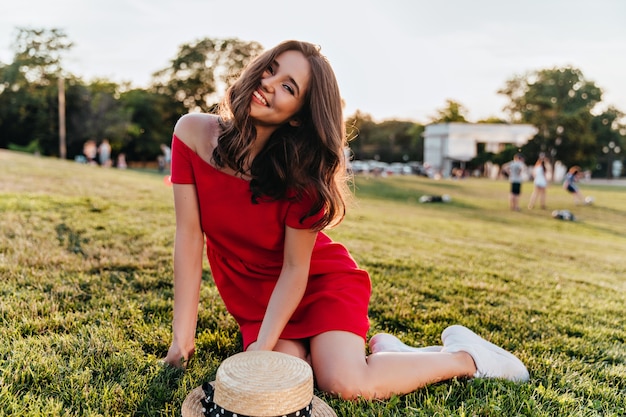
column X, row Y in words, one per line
column 86, row 290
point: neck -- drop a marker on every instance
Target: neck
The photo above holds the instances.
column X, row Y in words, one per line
column 263, row 134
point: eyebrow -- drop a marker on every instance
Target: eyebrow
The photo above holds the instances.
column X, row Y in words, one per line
column 277, row 65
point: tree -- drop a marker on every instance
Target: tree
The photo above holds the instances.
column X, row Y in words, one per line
column 558, row 102
column 452, row 112
column 28, row 90
column 38, row 56
column 359, row 128
column 416, row 148
column 152, row 118
column 389, row 141
column 492, row 120
column 610, row 131
column 107, row 118
column 201, row 71
column 397, row 139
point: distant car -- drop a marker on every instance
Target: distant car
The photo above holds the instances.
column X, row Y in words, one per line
column 378, row 167
column 418, row 169
column 360, row 167
column 399, row 168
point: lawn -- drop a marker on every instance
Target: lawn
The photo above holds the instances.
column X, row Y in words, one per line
column 86, row 267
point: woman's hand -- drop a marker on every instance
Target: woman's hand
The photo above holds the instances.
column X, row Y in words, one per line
column 178, row 358
column 256, row 345
column 253, row 346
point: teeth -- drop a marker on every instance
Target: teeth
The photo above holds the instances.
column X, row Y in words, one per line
column 260, row 97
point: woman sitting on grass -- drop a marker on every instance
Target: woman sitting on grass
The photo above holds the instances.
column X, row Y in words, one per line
column 260, row 183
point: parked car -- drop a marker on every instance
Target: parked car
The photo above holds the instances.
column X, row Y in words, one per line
column 418, row 169
column 359, row 167
column 399, row 168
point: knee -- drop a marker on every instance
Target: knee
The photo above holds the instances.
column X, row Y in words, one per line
column 338, row 386
column 346, row 386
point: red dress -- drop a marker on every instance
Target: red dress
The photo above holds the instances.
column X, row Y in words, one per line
column 245, row 251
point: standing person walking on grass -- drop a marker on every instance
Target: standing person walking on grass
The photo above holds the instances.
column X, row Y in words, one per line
column 104, row 153
column 259, row 183
column 515, row 169
column 540, row 183
column 167, row 157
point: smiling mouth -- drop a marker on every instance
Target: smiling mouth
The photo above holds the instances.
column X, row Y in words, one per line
column 259, row 97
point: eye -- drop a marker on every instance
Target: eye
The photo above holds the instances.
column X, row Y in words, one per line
column 289, row 88
column 270, row 69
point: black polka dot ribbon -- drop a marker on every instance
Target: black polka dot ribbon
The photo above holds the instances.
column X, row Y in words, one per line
column 210, row 409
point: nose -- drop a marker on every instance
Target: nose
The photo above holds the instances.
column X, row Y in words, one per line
column 267, row 84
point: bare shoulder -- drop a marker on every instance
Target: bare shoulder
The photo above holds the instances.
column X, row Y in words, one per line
column 199, row 131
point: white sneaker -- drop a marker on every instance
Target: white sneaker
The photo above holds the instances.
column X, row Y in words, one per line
column 491, row 361
column 385, row 342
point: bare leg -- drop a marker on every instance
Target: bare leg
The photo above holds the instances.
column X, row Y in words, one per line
column 385, row 342
column 341, row 367
column 538, row 192
column 542, row 197
column 533, row 198
column 578, row 198
column 514, row 202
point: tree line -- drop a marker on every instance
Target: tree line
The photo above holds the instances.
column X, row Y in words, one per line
column 560, row 102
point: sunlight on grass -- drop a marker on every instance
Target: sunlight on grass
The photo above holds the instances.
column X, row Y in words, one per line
column 85, row 260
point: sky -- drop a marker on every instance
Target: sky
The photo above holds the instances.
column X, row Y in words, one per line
column 394, row 59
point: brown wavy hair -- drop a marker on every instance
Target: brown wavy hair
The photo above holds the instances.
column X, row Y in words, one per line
column 297, row 161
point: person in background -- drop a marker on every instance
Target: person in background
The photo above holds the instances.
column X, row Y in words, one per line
column 258, row 184
column 515, row 170
column 90, row 150
column 540, row 183
column 167, row 157
column 570, row 184
column 104, row 153
column 121, row 161
column 161, row 163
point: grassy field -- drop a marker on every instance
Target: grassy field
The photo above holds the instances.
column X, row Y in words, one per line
column 86, row 287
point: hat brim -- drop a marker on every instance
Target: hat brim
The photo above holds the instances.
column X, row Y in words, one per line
column 193, row 408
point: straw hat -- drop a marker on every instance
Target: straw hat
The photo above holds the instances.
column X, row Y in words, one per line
column 258, row 384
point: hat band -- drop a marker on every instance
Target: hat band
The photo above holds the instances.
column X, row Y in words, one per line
column 210, row 409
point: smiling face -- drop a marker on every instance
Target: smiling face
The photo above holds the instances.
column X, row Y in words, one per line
column 282, row 90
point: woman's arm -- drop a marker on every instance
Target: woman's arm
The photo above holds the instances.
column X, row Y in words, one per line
column 188, row 247
column 290, row 287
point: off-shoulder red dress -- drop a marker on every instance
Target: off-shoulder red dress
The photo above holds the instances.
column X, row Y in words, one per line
column 245, row 251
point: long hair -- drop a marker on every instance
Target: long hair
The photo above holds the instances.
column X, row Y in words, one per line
column 541, row 162
column 297, row 161
column 574, row 170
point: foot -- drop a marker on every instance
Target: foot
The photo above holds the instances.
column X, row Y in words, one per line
column 385, row 342
column 491, row 361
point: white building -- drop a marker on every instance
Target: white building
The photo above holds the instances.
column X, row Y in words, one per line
column 447, row 145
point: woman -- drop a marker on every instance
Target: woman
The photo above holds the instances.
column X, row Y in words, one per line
column 260, row 183
column 540, row 182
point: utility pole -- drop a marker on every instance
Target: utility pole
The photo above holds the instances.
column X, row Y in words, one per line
column 62, row 132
